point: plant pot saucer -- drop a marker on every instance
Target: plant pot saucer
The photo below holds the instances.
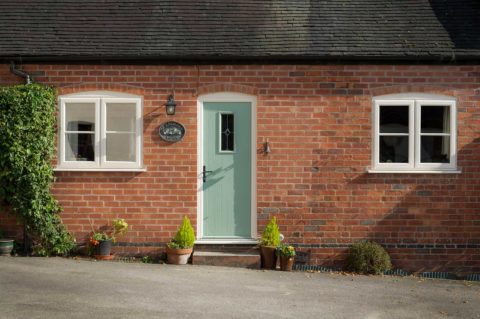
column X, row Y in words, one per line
column 102, row 257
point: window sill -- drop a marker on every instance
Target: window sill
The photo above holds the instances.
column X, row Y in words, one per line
column 377, row 171
column 68, row 169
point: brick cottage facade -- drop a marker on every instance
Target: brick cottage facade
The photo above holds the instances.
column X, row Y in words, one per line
column 358, row 150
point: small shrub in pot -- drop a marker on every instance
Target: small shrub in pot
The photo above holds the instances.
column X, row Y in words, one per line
column 181, row 246
column 101, row 240
column 368, row 258
column 287, row 256
column 269, row 243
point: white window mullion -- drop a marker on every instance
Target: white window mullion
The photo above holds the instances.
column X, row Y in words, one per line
column 103, row 133
column 453, row 134
column 417, row 135
column 61, row 157
column 139, row 131
column 376, row 134
column 97, row 133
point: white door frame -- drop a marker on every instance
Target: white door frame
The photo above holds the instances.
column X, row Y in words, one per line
column 226, row 97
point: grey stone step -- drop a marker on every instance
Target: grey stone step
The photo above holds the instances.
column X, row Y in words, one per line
column 227, row 259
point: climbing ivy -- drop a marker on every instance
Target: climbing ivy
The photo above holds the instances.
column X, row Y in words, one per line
column 27, row 145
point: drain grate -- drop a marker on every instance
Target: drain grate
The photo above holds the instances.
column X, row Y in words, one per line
column 315, row 268
column 396, row 272
column 393, row 272
column 473, row 277
column 437, row 275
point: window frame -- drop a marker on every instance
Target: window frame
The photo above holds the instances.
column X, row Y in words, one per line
column 101, row 99
column 415, row 103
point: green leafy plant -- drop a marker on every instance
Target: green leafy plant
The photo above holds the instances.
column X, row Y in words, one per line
column 368, row 258
column 185, row 237
column 285, row 250
column 119, row 227
column 27, row 146
column 2, row 234
column 271, row 234
column 147, row 260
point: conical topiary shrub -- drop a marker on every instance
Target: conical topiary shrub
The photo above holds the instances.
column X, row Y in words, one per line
column 185, row 237
column 271, row 234
column 181, row 246
column 269, row 243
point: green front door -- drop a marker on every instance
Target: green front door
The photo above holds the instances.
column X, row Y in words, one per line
column 227, row 154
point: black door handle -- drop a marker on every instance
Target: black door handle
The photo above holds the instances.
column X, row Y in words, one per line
column 204, row 173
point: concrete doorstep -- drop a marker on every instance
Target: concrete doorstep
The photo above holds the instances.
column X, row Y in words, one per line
column 227, row 259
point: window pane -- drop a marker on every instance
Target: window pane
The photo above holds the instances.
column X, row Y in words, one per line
column 227, row 132
column 80, row 117
column 121, row 117
column 435, row 149
column 394, row 119
column 79, row 147
column 435, row 119
column 121, row 147
column 393, row 149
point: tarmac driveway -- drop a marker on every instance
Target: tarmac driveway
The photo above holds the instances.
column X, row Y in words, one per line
column 66, row 288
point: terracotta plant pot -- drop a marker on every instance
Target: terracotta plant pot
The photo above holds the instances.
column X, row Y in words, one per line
column 6, row 246
column 269, row 259
column 286, row 263
column 178, row 256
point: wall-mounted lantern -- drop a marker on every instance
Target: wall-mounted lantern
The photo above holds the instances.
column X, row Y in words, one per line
column 170, row 105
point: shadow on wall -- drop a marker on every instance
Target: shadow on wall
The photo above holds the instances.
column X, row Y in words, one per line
column 435, row 225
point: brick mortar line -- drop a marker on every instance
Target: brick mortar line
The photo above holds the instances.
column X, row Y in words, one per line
column 416, row 246
column 408, row 246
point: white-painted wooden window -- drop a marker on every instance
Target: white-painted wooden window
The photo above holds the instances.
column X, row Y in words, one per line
column 100, row 131
column 414, row 132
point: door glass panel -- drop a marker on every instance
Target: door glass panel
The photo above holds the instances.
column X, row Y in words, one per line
column 121, row 117
column 393, row 149
column 227, row 132
column 121, row 147
column 79, row 147
column 435, row 149
column 394, row 119
column 435, row 119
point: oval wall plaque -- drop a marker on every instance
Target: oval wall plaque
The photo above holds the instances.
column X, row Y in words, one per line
column 171, row 131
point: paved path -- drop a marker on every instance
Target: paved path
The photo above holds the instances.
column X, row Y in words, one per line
column 65, row 288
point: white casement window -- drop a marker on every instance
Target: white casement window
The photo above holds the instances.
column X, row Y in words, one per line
column 414, row 132
column 100, row 131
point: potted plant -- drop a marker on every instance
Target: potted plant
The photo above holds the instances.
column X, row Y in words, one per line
column 287, row 256
column 6, row 245
column 101, row 241
column 180, row 247
column 269, row 243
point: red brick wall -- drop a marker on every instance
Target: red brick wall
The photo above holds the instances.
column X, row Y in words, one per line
column 318, row 120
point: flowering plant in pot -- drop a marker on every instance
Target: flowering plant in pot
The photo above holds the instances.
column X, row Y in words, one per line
column 269, row 243
column 287, row 256
column 180, row 247
column 101, row 240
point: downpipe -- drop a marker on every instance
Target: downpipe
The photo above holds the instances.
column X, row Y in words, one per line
column 26, row 76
